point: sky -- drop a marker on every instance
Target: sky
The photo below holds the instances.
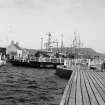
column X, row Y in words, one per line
column 26, row 21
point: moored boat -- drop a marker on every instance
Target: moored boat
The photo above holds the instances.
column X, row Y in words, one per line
column 63, row 72
column 2, row 62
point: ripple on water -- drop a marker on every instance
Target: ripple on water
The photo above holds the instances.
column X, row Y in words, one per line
column 30, row 86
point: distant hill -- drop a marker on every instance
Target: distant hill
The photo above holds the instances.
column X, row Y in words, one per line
column 84, row 51
column 92, row 52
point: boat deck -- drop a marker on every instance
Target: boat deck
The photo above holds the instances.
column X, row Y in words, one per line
column 85, row 87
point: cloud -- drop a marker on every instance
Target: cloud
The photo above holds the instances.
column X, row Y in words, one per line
column 41, row 4
column 6, row 3
column 24, row 3
column 33, row 3
column 48, row 3
column 78, row 4
column 18, row 3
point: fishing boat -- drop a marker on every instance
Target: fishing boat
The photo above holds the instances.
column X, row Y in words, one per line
column 63, row 72
column 2, row 61
column 66, row 69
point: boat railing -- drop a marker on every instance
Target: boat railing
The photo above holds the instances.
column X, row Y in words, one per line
column 41, row 59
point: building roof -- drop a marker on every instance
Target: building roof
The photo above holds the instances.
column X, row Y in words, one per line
column 17, row 46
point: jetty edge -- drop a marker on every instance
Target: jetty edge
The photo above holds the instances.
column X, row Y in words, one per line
column 85, row 87
column 65, row 70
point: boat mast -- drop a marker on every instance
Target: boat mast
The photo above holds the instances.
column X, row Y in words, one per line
column 76, row 45
column 41, row 43
column 62, row 44
column 49, row 42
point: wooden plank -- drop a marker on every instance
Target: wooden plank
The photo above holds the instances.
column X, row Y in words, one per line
column 67, row 91
column 100, row 82
column 78, row 91
column 84, row 88
column 92, row 97
column 86, row 100
column 102, row 75
column 100, row 79
column 98, row 85
column 95, row 91
column 72, row 98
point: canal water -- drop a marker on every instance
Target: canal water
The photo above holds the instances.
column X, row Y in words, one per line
column 30, row 86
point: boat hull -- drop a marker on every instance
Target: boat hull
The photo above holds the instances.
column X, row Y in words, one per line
column 26, row 64
column 34, row 64
column 63, row 72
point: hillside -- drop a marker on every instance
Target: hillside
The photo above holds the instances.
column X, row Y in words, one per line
column 92, row 52
column 85, row 51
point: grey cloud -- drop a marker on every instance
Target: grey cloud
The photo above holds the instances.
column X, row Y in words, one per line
column 32, row 3
column 18, row 3
column 6, row 3
column 45, row 3
column 24, row 3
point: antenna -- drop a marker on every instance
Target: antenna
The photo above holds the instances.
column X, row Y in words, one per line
column 56, row 43
column 41, row 43
column 49, row 42
column 62, row 44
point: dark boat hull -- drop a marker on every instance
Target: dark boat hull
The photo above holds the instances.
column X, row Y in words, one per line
column 34, row 64
column 63, row 72
column 26, row 64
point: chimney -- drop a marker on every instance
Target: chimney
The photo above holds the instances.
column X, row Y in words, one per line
column 17, row 43
column 12, row 42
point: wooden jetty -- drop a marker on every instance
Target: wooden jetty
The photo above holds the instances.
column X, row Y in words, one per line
column 85, row 87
